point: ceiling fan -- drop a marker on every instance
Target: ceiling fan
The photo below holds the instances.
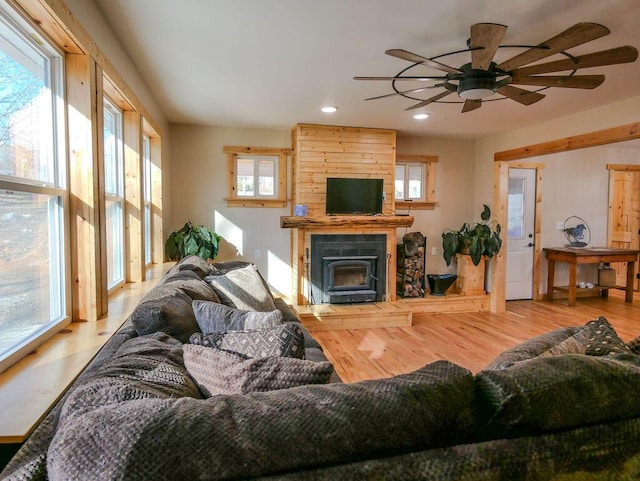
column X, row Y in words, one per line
column 476, row 81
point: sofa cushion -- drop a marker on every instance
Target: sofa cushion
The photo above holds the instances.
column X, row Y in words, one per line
column 285, row 340
column 167, row 307
column 240, row 437
column 565, row 340
column 242, row 288
column 143, row 367
column 559, row 392
column 170, row 313
column 191, row 284
column 192, row 263
column 212, row 317
column 604, row 339
column 222, row 372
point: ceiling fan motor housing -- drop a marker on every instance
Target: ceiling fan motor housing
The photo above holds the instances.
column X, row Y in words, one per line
column 475, row 84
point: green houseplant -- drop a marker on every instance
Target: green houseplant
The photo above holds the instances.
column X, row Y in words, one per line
column 477, row 240
column 192, row 240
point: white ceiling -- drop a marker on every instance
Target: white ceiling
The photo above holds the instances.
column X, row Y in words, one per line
column 274, row 63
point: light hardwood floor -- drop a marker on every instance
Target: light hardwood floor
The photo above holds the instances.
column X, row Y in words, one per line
column 469, row 339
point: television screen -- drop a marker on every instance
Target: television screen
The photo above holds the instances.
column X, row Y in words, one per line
column 354, row 196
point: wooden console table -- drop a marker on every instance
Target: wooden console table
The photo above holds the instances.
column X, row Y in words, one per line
column 576, row 255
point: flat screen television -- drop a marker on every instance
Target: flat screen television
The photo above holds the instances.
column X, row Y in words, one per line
column 354, row 196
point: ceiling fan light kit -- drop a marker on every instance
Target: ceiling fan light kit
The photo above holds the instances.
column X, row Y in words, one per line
column 482, row 78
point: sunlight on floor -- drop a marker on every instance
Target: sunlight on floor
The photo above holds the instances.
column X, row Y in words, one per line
column 374, row 344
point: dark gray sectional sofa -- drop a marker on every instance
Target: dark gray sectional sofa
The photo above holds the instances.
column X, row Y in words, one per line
column 563, row 406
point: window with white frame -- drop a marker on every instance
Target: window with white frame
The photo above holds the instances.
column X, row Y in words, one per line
column 409, row 183
column 146, row 174
column 114, row 192
column 414, row 184
column 33, row 191
column 257, row 176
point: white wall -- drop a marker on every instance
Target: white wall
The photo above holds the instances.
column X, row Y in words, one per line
column 454, row 193
column 574, row 183
column 198, row 188
column 613, row 115
column 577, row 183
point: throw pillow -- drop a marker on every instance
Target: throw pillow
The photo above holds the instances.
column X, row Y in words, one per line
column 243, row 288
column 604, row 339
column 565, row 340
column 213, row 317
column 285, row 340
column 634, row 345
column 221, row 372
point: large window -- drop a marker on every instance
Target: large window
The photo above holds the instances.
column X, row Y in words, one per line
column 114, row 193
column 33, row 195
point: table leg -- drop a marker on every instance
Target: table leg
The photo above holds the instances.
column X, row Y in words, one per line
column 550, row 279
column 572, row 284
column 630, row 271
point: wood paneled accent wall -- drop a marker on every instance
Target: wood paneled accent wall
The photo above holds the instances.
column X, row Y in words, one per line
column 322, row 151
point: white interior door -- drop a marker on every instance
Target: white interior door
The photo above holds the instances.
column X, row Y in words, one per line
column 520, row 233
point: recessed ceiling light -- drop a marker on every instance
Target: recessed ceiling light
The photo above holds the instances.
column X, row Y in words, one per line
column 421, row 116
column 329, row 109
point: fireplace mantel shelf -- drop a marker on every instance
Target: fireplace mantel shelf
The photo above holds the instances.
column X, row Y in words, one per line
column 309, row 222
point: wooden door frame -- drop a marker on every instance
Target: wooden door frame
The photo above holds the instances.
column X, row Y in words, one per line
column 503, row 161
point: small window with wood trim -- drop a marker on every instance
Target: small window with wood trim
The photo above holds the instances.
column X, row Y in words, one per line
column 414, row 184
column 256, row 176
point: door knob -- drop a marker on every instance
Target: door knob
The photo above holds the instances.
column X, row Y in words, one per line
column 530, row 244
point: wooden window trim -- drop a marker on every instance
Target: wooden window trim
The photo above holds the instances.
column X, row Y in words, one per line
column 234, row 200
column 430, row 187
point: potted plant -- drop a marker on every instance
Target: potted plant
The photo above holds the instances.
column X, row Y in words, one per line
column 477, row 240
column 192, row 240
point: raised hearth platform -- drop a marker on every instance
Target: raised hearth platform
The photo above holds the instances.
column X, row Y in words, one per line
column 329, row 317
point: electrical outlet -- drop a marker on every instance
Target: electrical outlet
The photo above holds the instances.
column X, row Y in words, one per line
column 434, row 251
column 256, row 254
column 559, row 225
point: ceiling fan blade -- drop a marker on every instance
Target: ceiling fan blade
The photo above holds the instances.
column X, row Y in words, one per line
column 470, row 105
column 568, row 81
column 388, row 79
column 577, row 35
column 525, row 97
column 613, row 56
column 430, row 100
column 415, row 58
column 485, row 39
column 403, row 92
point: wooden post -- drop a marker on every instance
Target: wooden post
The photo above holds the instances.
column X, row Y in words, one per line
column 89, row 281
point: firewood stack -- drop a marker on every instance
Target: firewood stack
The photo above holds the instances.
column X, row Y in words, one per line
column 411, row 265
